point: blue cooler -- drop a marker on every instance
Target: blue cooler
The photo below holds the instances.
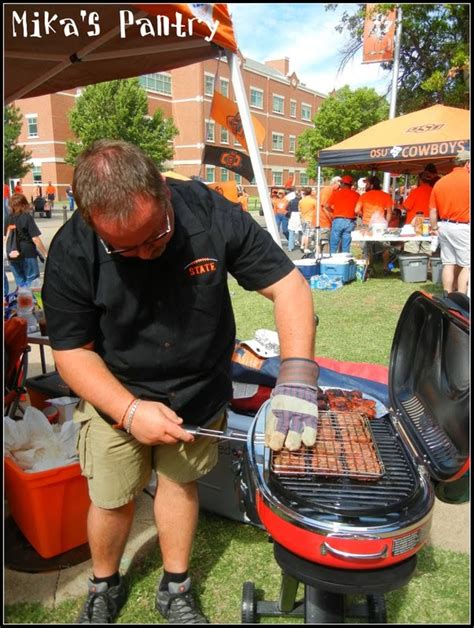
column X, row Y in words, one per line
column 308, row 267
column 339, row 266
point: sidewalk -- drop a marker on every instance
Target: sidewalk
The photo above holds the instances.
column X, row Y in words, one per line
column 450, row 528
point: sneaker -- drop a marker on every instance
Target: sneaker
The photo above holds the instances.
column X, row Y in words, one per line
column 177, row 605
column 103, row 603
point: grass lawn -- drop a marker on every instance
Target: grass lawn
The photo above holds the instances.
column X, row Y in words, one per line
column 357, row 323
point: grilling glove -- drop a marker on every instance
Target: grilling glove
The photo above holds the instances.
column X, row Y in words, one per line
column 293, row 412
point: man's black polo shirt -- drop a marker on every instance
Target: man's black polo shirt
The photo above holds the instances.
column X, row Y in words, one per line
column 165, row 327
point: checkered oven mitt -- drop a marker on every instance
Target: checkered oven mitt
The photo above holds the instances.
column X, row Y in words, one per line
column 293, row 413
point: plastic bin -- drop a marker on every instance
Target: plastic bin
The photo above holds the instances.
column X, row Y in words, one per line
column 344, row 268
column 436, row 269
column 50, row 507
column 47, row 386
column 308, row 267
column 413, row 268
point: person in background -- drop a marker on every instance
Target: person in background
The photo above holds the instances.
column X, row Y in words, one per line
column 141, row 325
column 342, row 204
column 294, row 221
column 325, row 216
column 50, row 196
column 18, row 189
column 6, row 201
column 307, row 209
column 417, row 204
column 25, row 269
column 70, row 196
column 449, row 219
column 280, row 205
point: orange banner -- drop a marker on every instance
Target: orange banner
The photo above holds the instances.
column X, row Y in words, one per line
column 379, row 35
column 225, row 112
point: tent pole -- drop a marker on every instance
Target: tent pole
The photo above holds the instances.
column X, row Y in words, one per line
column 239, row 89
column 318, row 209
column 393, row 97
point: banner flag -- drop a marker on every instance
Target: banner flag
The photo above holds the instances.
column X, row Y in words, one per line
column 225, row 112
column 379, row 35
column 228, row 158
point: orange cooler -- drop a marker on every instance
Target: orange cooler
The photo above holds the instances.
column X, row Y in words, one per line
column 50, row 507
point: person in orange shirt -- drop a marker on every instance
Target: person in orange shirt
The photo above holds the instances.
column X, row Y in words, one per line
column 449, row 217
column 50, row 195
column 280, row 205
column 6, row 200
column 18, row 189
column 325, row 215
column 342, row 204
column 374, row 204
column 307, row 209
column 417, row 202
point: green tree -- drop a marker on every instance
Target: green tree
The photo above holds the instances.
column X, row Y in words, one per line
column 119, row 110
column 15, row 158
column 434, row 53
column 343, row 114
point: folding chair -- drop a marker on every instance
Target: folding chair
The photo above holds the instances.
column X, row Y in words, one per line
column 16, row 364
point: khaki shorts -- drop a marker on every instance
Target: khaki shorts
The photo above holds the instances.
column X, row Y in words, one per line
column 118, row 467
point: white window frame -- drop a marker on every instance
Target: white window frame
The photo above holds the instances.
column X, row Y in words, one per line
column 210, row 125
column 292, row 140
column 304, row 179
column 278, row 136
column 303, row 106
column 147, row 80
column 225, row 92
column 293, row 108
column 279, row 174
column 236, row 141
column 238, row 178
column 208, row 75
column 224, row 174
column 224, row 135
column 259, row 91
column 282, row 98
column 31, row 117
column 210, row 174
column 35, row 171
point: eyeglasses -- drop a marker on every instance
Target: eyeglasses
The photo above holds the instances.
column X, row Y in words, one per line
column 111, row 251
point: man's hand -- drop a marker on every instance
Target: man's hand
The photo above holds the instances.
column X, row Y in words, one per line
column 292, row 417
column 156, row 424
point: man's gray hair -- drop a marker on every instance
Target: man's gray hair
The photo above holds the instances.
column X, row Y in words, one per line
column 110, row 174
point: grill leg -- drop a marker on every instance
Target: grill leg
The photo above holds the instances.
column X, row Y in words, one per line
column 289, row 586
column 323, row 607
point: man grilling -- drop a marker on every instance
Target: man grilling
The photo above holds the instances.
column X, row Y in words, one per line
column 142, row 329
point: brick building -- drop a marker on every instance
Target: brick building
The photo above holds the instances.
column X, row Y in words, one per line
column 283, row 104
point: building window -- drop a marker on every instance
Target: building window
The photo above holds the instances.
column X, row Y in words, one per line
column 36, row 172
column 256, row 97
column 238, row 179
column 224, row 135
column 210, row 174
column 157, row 82
column 278, row 104
column 224, row 175
column 292, row 108
column 225, row 87
column 292, row 144
column 277, row 177
column 306, row 112
column 210, row 131
column 303, row 179
column 208, row 84
column 277, row 141
column 236, row 142
column 32, row 122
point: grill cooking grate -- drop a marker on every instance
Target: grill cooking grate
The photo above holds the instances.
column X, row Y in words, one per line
column 344, row 447
column 314, row 495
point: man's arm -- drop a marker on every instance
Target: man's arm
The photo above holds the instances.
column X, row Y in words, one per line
column 87, row 374
column 294, row 315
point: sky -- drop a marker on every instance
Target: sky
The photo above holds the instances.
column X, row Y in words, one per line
column 305, row 33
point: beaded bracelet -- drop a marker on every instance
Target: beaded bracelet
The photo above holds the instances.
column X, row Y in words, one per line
column 131, row 414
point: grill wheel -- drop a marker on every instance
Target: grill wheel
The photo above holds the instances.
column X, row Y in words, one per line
column 249, row 603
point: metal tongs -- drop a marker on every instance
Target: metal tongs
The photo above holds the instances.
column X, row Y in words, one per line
column 228, row 434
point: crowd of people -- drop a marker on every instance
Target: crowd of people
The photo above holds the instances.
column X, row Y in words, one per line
column 346, row 204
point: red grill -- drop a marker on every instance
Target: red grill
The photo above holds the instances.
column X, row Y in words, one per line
column 349, row 515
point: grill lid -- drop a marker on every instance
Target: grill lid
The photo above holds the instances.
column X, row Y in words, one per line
column 429, row 382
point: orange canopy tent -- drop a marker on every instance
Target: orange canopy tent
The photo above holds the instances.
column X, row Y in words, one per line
column 404, row 145
column 51, row 47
